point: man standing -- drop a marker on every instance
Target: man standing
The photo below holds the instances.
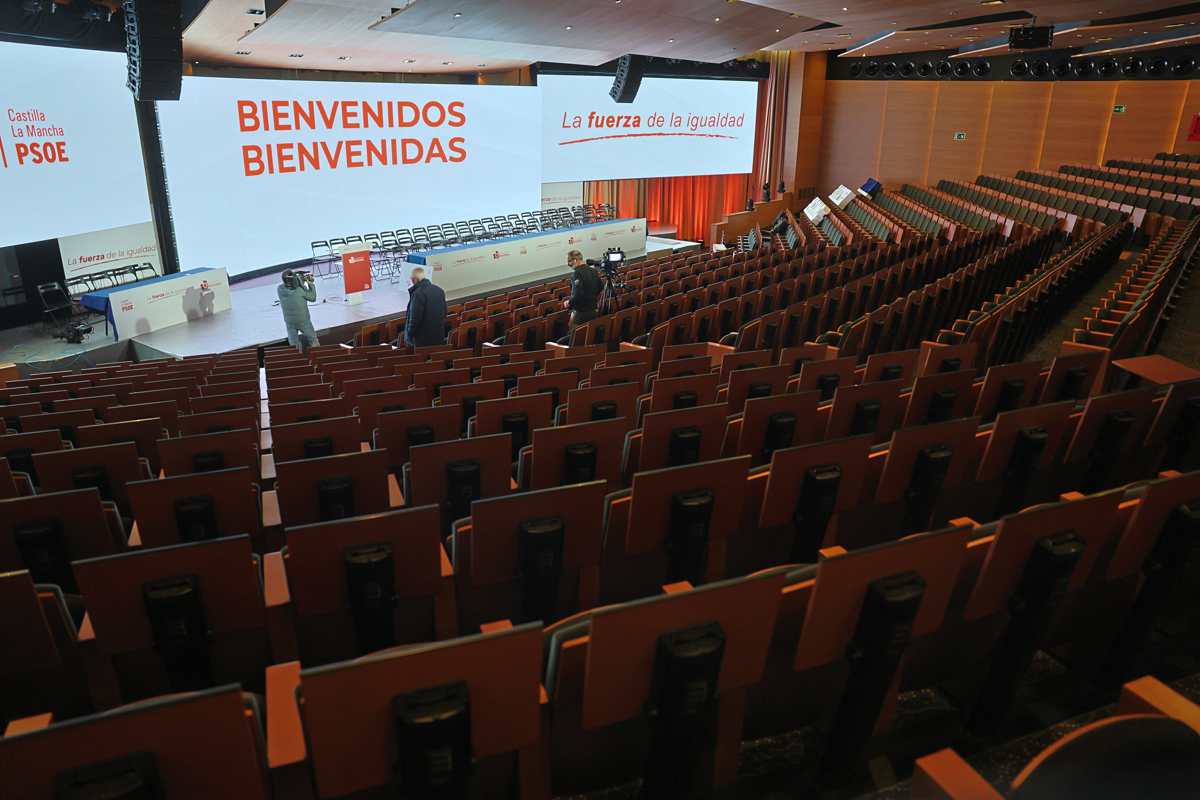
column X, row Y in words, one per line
column 295, row 293
column 585, row 290
column 426, row 322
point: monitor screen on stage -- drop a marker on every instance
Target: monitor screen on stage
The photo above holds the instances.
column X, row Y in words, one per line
column 676, row 126
column 259, row 169
column 70, row 157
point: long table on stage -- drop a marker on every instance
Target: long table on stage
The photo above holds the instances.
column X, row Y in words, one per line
column 142, row 307
column 513, row 259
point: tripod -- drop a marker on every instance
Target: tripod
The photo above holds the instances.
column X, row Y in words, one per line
column 613, row 287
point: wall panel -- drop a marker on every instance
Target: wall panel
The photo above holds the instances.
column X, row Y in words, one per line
column 1015, row 127
column 960, row 107
column 1148, row 125
column 1191, row 106
column 850, row 132
column 907, row 122
column 1077, row 125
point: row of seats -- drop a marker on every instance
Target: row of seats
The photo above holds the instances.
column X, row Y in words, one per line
column 104, row 279
column 1098, row 189
column 597, row 698
column 1128, row 319
column 1154, row 168
column 1170, row 158
column 1060, row 200
column 953, row 208
column 926, row 223
column 1138, row 181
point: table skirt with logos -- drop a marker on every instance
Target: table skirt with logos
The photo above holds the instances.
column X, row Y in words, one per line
column 150, row 305
column 461, row 267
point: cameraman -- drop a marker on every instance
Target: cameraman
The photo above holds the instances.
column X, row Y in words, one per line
column 295, row 293
column 586, row 286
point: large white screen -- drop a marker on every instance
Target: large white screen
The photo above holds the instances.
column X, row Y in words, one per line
column 676, row 126
column 70, row 157
column 332, row 162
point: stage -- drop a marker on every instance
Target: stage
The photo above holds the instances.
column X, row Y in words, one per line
column 253, row 321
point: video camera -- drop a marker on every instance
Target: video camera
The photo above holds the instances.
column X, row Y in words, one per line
column 294, row 277
column 614, row 257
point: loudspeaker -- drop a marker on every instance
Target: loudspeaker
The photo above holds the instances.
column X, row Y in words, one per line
column 154, row 48
column 1030, row 37
column 630, row 69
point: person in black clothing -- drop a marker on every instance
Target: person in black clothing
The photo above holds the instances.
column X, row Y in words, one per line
column 426, row 322
column 585, row 290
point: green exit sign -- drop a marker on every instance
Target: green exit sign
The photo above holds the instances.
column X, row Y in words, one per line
column 960, row 136
column 1119, row 108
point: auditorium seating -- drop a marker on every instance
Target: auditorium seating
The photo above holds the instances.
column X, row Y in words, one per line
column 778, row 492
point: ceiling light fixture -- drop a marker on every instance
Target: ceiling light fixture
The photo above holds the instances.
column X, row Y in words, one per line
column 670, row 41
column 567, row 27
column 718, row 19
column 447, row 63
column 241, row 52
column 343, row 58
column 295, row 55
column 457, row 14
column 258, row 12
column 991, row 2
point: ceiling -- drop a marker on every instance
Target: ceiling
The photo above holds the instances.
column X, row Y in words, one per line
column 454, row 36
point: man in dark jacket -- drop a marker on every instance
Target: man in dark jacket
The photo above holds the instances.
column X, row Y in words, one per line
column 426, row 322
column 585, row 289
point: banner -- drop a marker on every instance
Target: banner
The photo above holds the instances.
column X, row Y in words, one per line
column 461, row 269
column 567, row 194
column 676, row 126
column 160, row 303
column 260, row 169
column 70, row 154
column 356, row 271
column 100, row 251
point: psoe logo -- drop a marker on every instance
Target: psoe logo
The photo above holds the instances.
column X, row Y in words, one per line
column 126, row 305
column 204, row 286
column 496, row 256
column 357, row 259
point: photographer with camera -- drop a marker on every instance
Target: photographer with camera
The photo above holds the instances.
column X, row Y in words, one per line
column 295, row 293
column 586, row 286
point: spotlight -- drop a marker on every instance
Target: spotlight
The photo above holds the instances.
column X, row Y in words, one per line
column 872, row 69
column 907, row 69
column 890, row 69
column 1085, row 68
column 1062, row 68
column 1109, row 67
column 962, row 69
column 982, row 68
column 1184, row 65
column 856, row 70
column 1041, row 68
column 1019, row 68
column 1158, row 66
column 943, row 69
column 1132, row 66
column 925, row 69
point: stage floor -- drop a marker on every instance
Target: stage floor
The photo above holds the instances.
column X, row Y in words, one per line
column 253, row 321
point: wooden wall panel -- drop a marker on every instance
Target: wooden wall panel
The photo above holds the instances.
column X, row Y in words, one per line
column 903, row 130
column 1148, row 126
column 850, row 132
column 806, row 113
column 960, row 107
column 1015, row 127
column 1191, row 106
column 907, row 122
column 1077, row 125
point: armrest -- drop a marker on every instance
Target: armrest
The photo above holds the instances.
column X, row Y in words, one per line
column 28, row 724
column 395, row 496
column 445, row 609
column 271, row 517
column 285, row 736
column 945, row 776
column 266, row 466
column 1149, row 695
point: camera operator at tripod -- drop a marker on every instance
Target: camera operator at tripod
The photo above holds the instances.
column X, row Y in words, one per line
column 585, row 290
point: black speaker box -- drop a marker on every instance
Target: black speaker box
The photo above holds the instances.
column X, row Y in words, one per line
column 630, row 70
column 154, row 48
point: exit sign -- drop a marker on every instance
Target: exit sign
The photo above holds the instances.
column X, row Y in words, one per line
column 1119, row 108
column 960, row 136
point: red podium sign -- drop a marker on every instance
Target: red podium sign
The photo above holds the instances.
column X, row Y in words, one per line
column 356, row 271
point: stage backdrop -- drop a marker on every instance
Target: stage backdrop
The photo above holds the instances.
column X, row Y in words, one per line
column 258, row 169
column 70, row 160
column 676, row 126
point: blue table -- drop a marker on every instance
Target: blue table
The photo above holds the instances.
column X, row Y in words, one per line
column 99, row 300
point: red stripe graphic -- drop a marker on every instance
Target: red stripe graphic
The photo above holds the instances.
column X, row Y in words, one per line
column 636, row 135
column 3, row 155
